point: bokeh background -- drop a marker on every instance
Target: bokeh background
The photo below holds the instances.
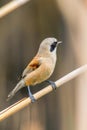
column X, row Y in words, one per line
column 20, row 35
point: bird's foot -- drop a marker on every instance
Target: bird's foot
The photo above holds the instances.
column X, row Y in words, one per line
column 31, row 95
column 52, row 84
column 32, row 99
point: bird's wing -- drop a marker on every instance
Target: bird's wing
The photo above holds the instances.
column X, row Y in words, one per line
column 34, row 64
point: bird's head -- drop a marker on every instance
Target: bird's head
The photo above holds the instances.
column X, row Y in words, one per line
column 49, row 46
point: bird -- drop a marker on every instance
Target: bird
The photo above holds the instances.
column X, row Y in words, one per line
column 40, row 68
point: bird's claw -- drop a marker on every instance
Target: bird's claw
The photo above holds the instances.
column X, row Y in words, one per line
column 32, row 99
column 52, row 84
column 31, row 95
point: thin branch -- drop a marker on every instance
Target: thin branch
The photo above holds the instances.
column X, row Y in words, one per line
column 26, row 101
column 11, row 6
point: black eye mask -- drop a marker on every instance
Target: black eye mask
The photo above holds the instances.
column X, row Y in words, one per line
column 53, row 46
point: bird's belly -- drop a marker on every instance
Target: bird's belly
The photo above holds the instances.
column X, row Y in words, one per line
column 39, row 75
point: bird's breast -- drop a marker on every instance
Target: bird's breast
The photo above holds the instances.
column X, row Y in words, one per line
column 39, row 75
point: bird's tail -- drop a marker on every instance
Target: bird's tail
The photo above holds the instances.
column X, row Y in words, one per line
column 20, row 85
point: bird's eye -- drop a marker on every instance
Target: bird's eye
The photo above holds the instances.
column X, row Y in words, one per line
column 53, row 46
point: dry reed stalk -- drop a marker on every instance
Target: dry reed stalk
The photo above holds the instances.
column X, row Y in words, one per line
column 26, row 101
column 11, row 6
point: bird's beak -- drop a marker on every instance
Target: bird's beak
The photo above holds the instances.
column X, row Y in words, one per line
column 59, row 42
